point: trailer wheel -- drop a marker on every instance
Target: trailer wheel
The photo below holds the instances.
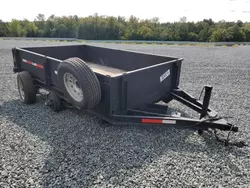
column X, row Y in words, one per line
column 26, row 88
column 79, row 83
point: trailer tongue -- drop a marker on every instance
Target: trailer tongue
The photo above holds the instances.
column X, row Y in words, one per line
column 120, row 87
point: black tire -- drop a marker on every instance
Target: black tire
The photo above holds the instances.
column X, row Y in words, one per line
column 87, row 82
column 26, row 88
column 54, row 102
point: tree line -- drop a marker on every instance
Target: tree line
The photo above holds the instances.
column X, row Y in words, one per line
column 97, row 27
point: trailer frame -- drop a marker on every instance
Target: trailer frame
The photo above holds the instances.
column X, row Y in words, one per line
column 42, row 69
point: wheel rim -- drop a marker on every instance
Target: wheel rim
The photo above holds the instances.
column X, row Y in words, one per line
column 21, row 92
column 71, row 85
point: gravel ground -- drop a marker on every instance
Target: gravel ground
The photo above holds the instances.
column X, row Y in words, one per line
column 40, row 148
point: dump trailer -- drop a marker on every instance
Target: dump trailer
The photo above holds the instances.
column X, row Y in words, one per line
column 118, row 86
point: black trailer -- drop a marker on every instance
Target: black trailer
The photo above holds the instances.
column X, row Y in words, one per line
column 119, row 86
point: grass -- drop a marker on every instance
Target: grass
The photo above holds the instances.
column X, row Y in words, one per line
column 146, row 43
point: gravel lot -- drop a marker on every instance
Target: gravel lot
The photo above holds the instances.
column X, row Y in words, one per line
column 40, row 148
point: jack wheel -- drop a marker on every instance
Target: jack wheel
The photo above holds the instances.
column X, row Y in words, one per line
column 54, row 102
column 200, row 132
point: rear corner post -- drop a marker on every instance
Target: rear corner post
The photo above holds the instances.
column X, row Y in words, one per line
column 16, row 67
column 47, row 72
column 176, row 74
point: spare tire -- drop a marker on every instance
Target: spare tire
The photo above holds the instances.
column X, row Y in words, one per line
column 79, row 83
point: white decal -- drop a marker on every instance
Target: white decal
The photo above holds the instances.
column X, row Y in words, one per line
column 169, row 121
column 165, row 75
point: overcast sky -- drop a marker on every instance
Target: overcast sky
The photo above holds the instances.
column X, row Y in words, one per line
column 165, row 10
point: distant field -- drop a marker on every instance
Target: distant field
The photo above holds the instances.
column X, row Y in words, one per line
column 179, row 43
column 41, row 148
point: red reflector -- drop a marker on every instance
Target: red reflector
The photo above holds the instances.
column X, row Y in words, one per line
column 39, row 66
column 151, row 120
column 29, row 62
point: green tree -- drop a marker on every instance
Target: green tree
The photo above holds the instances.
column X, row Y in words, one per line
column 97, row 27
column 221, row 35
column 166, row 35
column 237, row 33
column 210, row 22
column 15, row 28
column 246, row 30
column 3, row 29
column 239, row 23
column 61, row 31
column 203, row 31
column 131, row 29
column 193, row 36
column 145, row 33
column 29, row 29
column 40, row 22
column 181, row 31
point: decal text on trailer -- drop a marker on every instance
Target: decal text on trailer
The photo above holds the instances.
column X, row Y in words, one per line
column 165, row 75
